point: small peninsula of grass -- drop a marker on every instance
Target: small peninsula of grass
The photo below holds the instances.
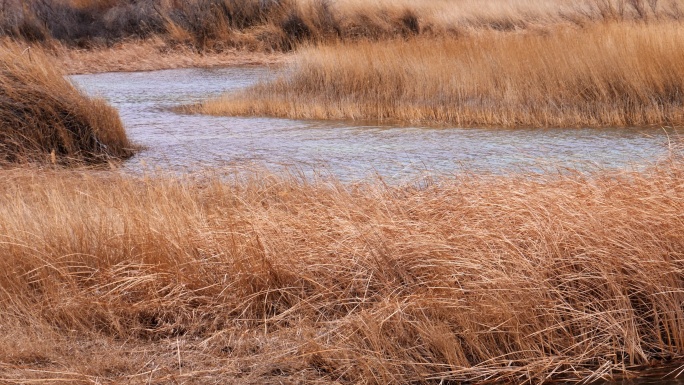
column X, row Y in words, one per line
column 616, row 74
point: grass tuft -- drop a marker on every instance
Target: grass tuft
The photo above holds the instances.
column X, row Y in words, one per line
column 44, row 118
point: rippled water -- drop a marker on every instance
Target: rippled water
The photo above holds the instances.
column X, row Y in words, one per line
column 350, row 150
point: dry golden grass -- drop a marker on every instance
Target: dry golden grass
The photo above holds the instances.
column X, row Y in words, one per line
column 254, row 278
column 259, row 278
column 621, row 74
column 152, row 55
column 216, row 25
column 44, row 118
column 126, row 35
column 454, row 17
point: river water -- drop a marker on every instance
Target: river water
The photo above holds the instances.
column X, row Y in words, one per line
column 348, row 150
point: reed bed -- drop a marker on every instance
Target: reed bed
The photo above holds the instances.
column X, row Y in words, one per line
column 254, row 277
column 282, row 25
column 616, row 74
column 45, row 119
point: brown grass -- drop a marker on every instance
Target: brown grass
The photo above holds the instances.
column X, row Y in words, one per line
column 257, row 278
column 622, row 74
column 153, row 54
column 215, row 25
column 261, row 278
column 44, row 118
column 106, row 35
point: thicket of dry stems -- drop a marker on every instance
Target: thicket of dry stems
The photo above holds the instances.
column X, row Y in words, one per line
column 215, row 25
column 44, row 118
column 208, row 279
column 614, row 74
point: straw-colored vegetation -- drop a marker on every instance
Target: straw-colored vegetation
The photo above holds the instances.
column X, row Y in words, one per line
column 44, row 118
column 153, row 54
column 157, row 34
column 257, row 278
column 214, row 25
column 615, row 74
column 267, row 279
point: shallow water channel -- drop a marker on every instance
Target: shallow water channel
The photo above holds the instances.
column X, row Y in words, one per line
column 349, row 150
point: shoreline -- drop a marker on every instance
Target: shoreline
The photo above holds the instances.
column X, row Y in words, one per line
column 151, row 55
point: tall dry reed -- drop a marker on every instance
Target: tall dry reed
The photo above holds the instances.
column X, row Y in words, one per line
column 622, row 74
column 44, row 118
column 262, row 278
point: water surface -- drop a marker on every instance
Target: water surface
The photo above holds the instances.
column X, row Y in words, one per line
column 349, row 150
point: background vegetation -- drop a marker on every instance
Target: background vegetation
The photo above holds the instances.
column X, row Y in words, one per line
column 284, row 24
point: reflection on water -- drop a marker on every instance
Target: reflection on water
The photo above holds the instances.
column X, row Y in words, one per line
column 346, row 149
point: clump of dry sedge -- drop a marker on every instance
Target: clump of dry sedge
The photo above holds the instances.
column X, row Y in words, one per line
column 622, row 74
column 44, row 118
column 275, row 279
